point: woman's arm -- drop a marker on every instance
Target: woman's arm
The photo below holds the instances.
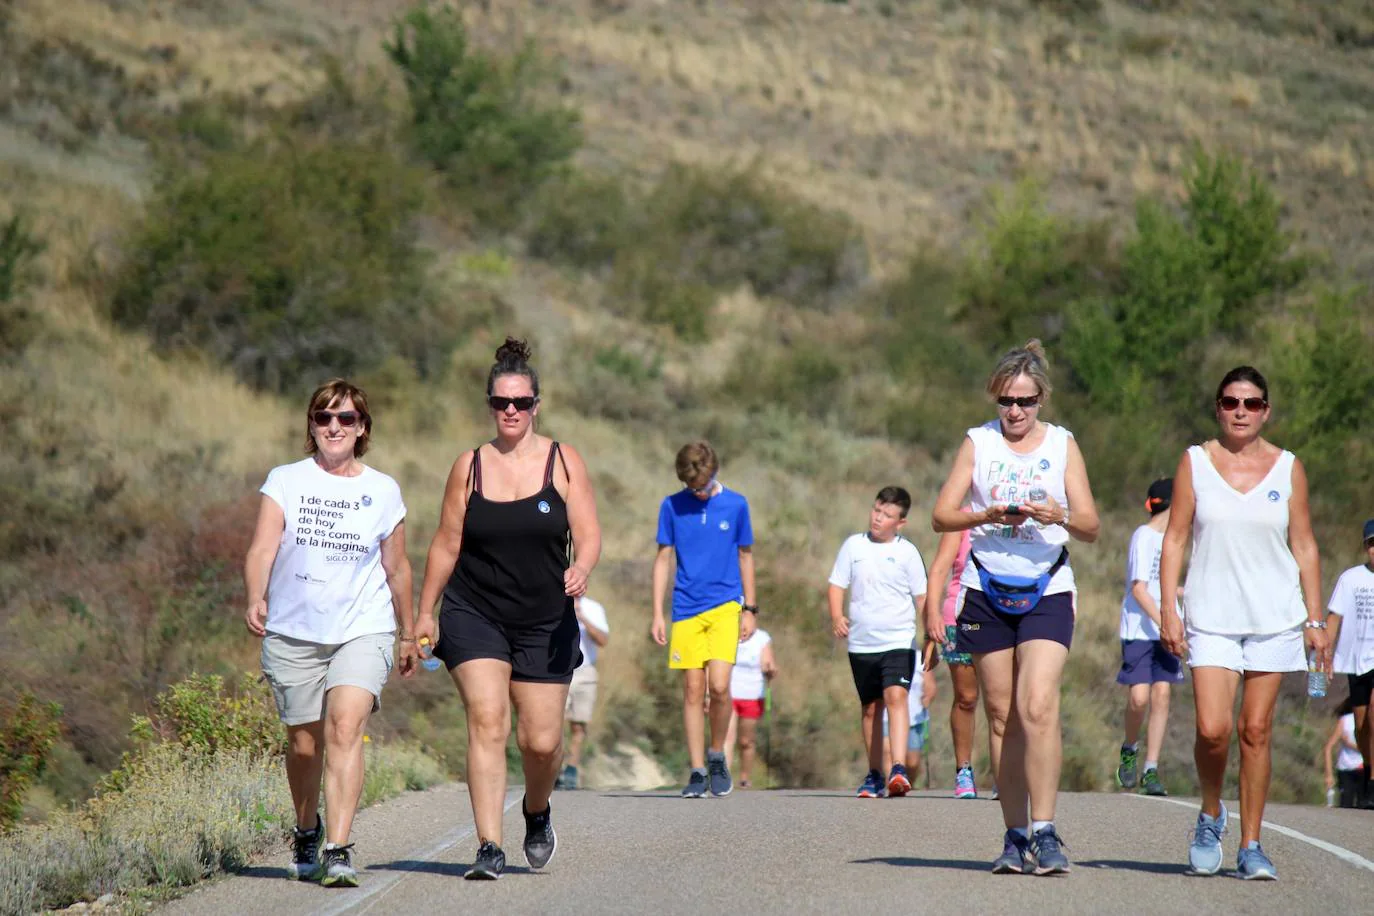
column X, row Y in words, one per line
column 1081, row 520
column 935, row 589
column 1171, row 559
column 1303, row 543
column 398, row 578
column 257, row 564
column 445, row 545
column 582, row 521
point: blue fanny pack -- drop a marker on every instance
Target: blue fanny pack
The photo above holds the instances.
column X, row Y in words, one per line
column 1016, row 594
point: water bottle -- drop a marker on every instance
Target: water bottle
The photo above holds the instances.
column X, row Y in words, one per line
column 1331, row 797
column 427, row 659
column 1316, row 677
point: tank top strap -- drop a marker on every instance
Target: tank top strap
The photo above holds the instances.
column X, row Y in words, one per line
column 475, row 472
column 554, row 452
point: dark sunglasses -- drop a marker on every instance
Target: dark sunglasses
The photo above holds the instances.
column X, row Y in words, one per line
column 1023, row 403
column 499, row 404
column 1254, row 405
column 345, row 417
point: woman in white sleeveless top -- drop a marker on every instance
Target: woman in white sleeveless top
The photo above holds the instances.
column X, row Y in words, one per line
column 1028, row 490
column 1253, row 604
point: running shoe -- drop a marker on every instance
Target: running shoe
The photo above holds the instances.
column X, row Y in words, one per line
column 1046, row 848
column 719, row 774
column 696, row 785
column 491, row 861
column 995, row 795
column 897, row 782
column 964, row 786
column 305, row 852
column 1204, row 852
column 1015, row 858
column 540, row 840
column 1253, row 865
column 338, row 867
column 872, row 786
column 1150, row 784
column 1126, row 772
column 569, row 777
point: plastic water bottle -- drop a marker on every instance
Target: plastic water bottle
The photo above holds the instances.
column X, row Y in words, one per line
column 427, row 659
column 1316, row 677
column 1331, row 797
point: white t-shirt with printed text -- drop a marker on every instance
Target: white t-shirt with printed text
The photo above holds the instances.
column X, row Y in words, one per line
column 596, row 616
column 746, row 679
column 1142, row 565
column 327, row 584
column 884, row 582
column 1353, row 599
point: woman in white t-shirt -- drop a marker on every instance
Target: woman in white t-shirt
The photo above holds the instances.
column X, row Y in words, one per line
column 1254, row 599
column 1028, row 490
column 328, row 583
column 754, row 668
column 1351, row 610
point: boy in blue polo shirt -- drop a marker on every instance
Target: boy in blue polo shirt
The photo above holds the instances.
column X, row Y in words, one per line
column 706, row 528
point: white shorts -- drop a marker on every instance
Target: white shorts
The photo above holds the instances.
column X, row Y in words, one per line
column 1275, row 652
column 302, row 672
column 581, row 695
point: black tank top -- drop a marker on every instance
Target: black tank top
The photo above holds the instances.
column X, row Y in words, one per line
column 513, row 554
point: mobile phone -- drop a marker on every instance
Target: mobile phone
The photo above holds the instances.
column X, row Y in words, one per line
column 1013, row 509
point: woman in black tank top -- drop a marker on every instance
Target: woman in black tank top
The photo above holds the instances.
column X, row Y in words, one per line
column 517, row 538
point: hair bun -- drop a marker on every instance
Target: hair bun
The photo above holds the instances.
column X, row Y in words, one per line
column 514, row 350
column 1035, row 348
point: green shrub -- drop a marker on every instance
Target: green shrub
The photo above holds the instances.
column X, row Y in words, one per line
column 200, row 714
column 478, row 117
column 28, row 729
column 584, row 219
column 18, row 247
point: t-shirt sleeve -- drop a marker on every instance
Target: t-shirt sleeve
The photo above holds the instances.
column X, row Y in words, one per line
column 916, row 573
column 397, row 513
column 1138, row 559
column 764, row 638
column 274, row 487
column 665, row 524
column 1340, row 602
column 840, row 574
column 595, row 614
column 744, row 528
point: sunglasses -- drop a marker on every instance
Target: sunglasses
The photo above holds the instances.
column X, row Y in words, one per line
column 1251, row 404
column 345, row 417
column 499, row 404
column 1023, row 403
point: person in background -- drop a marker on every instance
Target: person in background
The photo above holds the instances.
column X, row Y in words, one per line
column 1349, row 777
column 755, row 668
column 1351, row 611
column 946, row 571
column 595, row 632
column 918, row 712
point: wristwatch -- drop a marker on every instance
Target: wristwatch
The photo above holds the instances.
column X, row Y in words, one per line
column 1315, row 625
column 751, row 608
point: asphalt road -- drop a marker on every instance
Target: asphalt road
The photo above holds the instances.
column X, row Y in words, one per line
column 792, row 852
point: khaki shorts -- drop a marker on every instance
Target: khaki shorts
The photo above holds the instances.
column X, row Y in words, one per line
column 302, row 672
column 581, row 695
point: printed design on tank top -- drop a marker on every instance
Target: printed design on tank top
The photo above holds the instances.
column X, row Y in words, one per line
column 1013, row 483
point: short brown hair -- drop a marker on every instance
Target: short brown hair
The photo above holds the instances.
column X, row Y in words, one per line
column 332, row 392
column 696, row 460
column 1028, row 360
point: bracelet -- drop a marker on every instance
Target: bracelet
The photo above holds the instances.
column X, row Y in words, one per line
column 751, row 608
column 407, row 639
column 1315, row 625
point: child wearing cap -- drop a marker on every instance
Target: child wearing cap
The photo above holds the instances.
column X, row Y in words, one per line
column 1351, row 610
column 1147, row 669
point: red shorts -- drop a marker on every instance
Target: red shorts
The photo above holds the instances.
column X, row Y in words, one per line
column 749, row 709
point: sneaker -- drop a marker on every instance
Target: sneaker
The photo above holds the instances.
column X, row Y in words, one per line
column 963, row 783
column 491, row 861
column 540, row 840
column 569, row 777
column 338, row 867
column 1126, row 772
column 994, row 796
column 897, row 782
column 305, row 852
column 1015, row 858
column 1150, row 784
column 720, row 775
column 872, row 786
column 696, row 785
column 1046, row 849
column 1253, row 865
column 1204, row 851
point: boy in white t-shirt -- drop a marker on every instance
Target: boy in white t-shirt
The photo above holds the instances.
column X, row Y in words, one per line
column 1352, row 619
column 1148, row 670
column 886, row 580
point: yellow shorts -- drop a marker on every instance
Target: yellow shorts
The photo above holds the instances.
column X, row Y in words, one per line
column 709, row 636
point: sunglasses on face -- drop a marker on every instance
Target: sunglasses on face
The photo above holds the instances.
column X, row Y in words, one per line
column 498, row 403
column 345, row 417
column 1253, row 405
column 1024, row 403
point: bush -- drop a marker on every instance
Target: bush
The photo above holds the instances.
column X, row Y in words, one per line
column 199, row 714
column 18, row 247
column 477, row 117
column 28, row 730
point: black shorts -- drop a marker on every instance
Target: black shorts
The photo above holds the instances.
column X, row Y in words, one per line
column 544, row 652
column 1361, row 685
column 983, row 628
column 874, row 672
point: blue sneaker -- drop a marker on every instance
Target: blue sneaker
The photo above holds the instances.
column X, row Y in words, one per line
column 1204, row 852
column 1253, row 865
column 696, row 785
column 721, row 784
column 1046, row 849
column 963, row 783
column 1016, row 856
column 872, row 786
column 898, row 783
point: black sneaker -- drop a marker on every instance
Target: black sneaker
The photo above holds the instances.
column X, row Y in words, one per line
column 305, row 852
column 337, row 866
column 540, row 840
column 721, row 784
column 696, row 785
column 491, row 861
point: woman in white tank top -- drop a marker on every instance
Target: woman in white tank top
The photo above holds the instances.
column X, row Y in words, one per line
column 1029, row 494
column 1253, row 604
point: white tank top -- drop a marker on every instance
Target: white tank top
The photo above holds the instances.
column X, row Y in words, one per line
column 1242, row 580
column 1003, row 476
column 746, row 678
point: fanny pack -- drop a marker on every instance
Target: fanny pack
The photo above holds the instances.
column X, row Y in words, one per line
column 1016, row 594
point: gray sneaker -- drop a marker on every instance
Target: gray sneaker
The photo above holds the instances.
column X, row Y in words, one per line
column 305, row 852
column 1253, row 865
column 1046, row 849
column 696, row 785
column 338, row 867
column 1126, row 771
column 1015, row 858
column 1150, row 784
column 720, row 774
column 1204, row 852
column 540, row 840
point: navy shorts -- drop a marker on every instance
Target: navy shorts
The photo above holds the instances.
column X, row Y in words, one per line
column 983, row 628
column 1146, row 661
column 874, row 672
column 1361, row 686
column 543, row 652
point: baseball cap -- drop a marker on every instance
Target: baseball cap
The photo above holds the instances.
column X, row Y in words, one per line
column 1369, row 530
column 1160, row 494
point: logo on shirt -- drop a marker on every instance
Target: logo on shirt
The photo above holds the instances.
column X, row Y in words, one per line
column 544, row 506
column 892, row 559
column 905, row 680
column 367, row 500
column 1044, row 464
column 724, row 526
column 1273, row 496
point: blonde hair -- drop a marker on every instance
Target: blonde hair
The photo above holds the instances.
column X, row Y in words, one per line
column 1028, row 360
column 696, row 460
column 336, row 391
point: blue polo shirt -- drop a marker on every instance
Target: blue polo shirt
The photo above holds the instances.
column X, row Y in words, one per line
column 707, row 535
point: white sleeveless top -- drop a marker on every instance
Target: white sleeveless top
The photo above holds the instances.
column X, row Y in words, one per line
column 1003, row 476
column 746, row 678
column 1243, row 579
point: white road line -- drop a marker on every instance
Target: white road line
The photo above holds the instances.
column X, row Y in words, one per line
column 1340, row 852
column 373, row 888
